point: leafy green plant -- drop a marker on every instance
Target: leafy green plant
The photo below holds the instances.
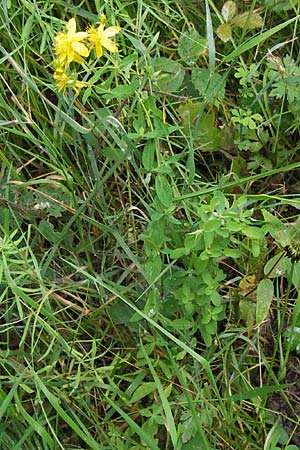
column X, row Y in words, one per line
column 247, row 20
column 283, row 74
column 195, row 286
column 149, row 256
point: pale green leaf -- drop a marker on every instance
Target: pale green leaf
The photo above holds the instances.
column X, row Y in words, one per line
column 142, row 391
column 257, row 40
column 163, row 190
column 224, row 32
column 228, row 10
column 169, row 73
column 247, row 312
column 191, row 46
column 148, row 155
column 248, row 21
column 265, row 292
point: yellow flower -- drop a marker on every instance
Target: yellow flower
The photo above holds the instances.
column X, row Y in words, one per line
column 68, row 46
column 99, row 37
column 63, row 80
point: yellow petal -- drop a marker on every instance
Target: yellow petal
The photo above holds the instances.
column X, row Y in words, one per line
column 99, row 50
column 71, row 26
column 100, row 29
column 80, row 36
column 80, row 84
column 111, row 31
column 80, row 48
column 109, row 45
column 77, row 58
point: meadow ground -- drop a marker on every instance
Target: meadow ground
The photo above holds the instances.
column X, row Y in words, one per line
column 149, row 232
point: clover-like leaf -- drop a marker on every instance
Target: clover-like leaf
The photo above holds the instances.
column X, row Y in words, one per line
column 248, row 21
column 228, row 10
column 224, row 32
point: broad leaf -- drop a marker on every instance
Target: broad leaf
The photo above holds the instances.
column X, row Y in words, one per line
column 228, row 10
column 148, row 155
column 163, row 190
column 191, row 46
column 250, row 22
column 143, row 391
column 170, row 74
column 265, row 292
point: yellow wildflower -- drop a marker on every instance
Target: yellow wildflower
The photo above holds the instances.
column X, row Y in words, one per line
column 63, row 80
column 99, row 37
column 68, row 46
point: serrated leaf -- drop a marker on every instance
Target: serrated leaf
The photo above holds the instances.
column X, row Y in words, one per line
column 163, row 190
column 265, row 292
column 142, row 391
column 250, row 22
column 224, row 32
column 191, row 46
column 228, row 10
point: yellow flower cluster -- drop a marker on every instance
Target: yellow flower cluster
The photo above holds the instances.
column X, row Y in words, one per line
column 74, row 46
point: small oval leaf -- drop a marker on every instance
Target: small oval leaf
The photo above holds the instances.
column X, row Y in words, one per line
column 265, row 292
column 228, row 10
column 163, row 190
column 250, row 22
column 224, row 32
column 148, row 155
column 142, row 391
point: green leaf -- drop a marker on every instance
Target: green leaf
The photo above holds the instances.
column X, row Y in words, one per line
column 163, row 190
column 248, row 21
column 153, row 268
column 207, row 135
column 277, row 266
column 191, row 46
column 47, row 230
column 257, row 40
column 210, row 39
column 188, row 112
column 170, row 74
column 178, row 252
column 121, row 92
column 247, row 312
column 209, row 85
column 253, row 232
column 142, row 391
column 228, row 10
column 182, row 324
column 148, row 155
column 224, row 32
column 296, row 275
column 196, row 442
column 265, row 292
